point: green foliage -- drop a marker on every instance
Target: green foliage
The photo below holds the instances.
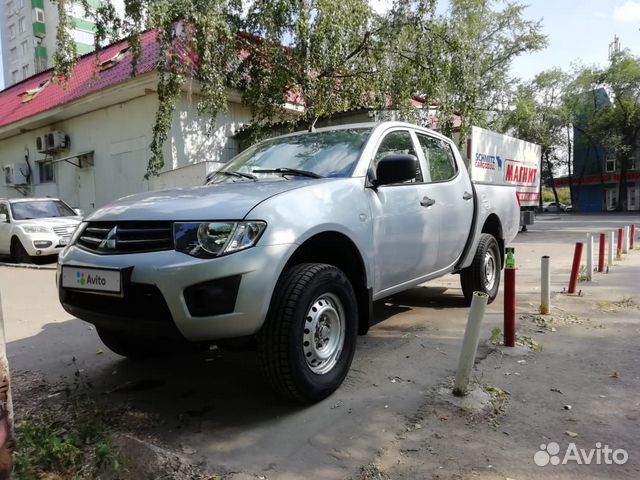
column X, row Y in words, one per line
column 564, row 195
column 328, row 56
column 66, row 54
column 73, row 442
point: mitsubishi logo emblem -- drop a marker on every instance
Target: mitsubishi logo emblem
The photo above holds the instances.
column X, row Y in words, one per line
column 109, row 242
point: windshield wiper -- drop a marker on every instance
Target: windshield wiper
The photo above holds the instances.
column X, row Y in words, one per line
column 233, row 174
column 290, row 171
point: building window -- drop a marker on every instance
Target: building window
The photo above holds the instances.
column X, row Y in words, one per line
column 45, row 171
column 25, row 71
column 13, row 53
column 12, row 31
column 14, row 76
column 10, row 8
column 634, row 162
column 20, row 4
column 610, row 164
column 25, row 48
column 22, row 26
column 39, row 15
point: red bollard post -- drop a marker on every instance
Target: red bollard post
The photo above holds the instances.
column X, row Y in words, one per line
column 632, row 235
column 602, row 246
column 575, row 269
column 510, row 299
column 620, row 241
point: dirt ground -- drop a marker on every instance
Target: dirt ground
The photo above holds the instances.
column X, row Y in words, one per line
column 393, row 417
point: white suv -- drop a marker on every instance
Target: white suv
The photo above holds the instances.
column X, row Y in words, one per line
column 34, row 227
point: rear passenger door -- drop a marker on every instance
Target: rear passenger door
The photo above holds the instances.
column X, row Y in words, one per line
column 451, row 193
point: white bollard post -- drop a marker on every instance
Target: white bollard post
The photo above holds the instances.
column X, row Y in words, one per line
column 612, row 241
column 470, row 343
column 589, row 257
column 625, row 244
column 545, row 290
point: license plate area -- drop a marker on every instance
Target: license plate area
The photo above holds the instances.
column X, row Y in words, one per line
column 95, row 280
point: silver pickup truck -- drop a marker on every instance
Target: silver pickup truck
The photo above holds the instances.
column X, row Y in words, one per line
column 286, row 248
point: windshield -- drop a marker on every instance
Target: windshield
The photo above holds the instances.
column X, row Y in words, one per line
column 41, row 209
column 328, row 154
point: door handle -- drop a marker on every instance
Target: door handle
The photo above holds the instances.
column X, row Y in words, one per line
column 467, row 196
column 427, row 202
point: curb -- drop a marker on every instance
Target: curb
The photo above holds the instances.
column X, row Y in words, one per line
column 28, row 266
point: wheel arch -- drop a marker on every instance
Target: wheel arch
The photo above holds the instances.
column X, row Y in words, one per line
column 337, row 249
column 493, row 226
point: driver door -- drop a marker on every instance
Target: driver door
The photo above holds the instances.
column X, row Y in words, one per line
column 401, row 235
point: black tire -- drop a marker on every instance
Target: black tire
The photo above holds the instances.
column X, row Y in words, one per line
column 18, row 253
column 280, row 341
column 137, row 347
column 474, row 278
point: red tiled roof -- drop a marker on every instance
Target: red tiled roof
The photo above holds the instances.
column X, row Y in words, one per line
column 86, row 79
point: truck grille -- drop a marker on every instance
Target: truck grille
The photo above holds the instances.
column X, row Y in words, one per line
column 64, row 230
column 126, row 237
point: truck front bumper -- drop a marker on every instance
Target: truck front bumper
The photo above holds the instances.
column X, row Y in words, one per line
column 168, row 292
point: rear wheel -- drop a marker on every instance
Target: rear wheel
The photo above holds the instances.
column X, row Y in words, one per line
column 18, row 253
column 483, row 275
column 308, row 340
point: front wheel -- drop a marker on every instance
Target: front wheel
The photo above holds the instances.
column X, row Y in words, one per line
column 483, row 275
column 309, row 337
column 18, row 252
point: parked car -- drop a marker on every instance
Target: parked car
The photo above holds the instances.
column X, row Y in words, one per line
column 34, row 227
column 555, row 207
column 286, row 249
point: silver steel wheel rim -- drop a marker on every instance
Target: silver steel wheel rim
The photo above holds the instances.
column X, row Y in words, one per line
column 324, row 330
column 489, row 270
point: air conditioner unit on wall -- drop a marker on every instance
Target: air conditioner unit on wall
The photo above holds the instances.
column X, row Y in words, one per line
column 16, row 174
column 52, row 142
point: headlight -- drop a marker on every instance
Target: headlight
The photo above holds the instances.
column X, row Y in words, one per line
column 213, row 239
column 77, row 232
column 35, row 229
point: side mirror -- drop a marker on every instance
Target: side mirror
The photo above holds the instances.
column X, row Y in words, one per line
column 79, row 212
column 3, row 218
column 396, row 169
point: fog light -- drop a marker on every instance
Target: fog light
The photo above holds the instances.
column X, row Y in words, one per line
column 42, row 243
column 38, row 252
column 215, row 297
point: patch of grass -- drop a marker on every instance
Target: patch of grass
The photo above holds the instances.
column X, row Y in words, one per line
column 496, row 337
column 371, row 471
column 72, row 442
column 499, row 401
column 625, row 303
column 542, row 322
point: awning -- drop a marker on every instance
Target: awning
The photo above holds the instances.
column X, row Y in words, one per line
column 84, row 159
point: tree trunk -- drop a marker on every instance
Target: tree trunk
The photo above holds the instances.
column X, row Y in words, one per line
column 553, row 182
column 569, row 154
column 622, row 191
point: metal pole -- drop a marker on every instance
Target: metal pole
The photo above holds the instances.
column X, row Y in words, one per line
column 612, row 240
column 602, row 245
column 625, row 245
column 589, row 256
column 6, row 408
column 545, row 291
column 470, row 342
column 620, row 242
column 575, row 269
column 510, row 299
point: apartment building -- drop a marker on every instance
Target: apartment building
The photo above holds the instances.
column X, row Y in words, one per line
column 28, row 35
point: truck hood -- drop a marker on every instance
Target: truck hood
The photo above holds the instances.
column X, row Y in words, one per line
column 221, row 201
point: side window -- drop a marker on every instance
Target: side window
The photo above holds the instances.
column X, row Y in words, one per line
column 4, row 209
column 439, row 157
column 398, row 142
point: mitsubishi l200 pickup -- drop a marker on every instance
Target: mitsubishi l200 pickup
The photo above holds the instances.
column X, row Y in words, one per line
column 286, row 248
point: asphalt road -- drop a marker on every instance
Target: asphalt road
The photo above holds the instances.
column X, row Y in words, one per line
column 217, row 407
